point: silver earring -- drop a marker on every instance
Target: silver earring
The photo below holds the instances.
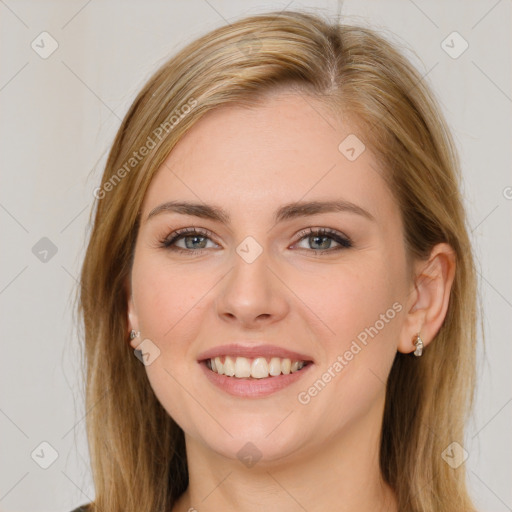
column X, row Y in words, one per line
column 134, row 334
column 419, row 346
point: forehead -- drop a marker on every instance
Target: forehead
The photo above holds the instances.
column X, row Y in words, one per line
column 251, row 159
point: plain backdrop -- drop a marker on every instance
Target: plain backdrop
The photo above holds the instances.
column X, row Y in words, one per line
column 59, row 114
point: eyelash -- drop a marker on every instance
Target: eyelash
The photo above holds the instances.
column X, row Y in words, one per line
column 343, row 241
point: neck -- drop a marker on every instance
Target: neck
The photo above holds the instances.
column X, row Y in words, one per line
column 340, row 474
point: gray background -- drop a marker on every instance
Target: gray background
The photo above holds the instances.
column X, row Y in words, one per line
column 59, row 116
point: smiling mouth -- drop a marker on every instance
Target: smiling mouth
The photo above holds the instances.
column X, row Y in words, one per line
column 253, row 368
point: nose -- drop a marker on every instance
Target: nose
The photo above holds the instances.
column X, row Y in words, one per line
column 252, row 294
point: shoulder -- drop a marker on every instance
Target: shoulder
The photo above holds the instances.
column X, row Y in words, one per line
column 82, row 508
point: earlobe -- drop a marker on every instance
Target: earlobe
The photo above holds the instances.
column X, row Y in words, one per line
column 134, row 338
column 431, row 296
column 133, row 322
column 133, row 333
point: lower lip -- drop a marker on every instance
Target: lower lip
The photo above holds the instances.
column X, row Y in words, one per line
column 253, row 388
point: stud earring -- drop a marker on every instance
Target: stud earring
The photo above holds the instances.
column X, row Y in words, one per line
column 134, row 334
column 419, row 345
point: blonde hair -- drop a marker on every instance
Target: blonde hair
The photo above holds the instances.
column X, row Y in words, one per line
column 137, row 451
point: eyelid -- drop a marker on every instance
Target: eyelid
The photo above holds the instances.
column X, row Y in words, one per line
column 345, row 240
column 183, row 232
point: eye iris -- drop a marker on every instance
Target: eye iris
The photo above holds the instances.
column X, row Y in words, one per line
column 195, row 238
column 324, row 245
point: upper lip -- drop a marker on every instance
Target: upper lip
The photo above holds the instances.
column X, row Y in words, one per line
column 251, row 351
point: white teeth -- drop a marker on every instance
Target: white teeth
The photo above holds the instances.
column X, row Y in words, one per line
column 242, row 367
column 285, row 366
column 219, row 365
column 274, row 368
column 229, row 367
column 257, row 368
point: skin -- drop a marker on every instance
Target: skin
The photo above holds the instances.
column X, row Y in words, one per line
column 324, row 454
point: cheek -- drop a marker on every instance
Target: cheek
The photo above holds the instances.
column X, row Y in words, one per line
column 168, row 307
column 362, row 307
column 353, row 300
column 165, row 297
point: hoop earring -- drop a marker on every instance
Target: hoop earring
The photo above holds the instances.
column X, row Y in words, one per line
column 134, row 334
column 419, row 346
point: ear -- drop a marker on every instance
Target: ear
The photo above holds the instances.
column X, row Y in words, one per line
column 429, row 297
column 133, row 322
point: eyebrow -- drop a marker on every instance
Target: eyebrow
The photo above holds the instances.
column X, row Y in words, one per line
column 286, row 212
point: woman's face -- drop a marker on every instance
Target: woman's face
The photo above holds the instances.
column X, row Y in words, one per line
column 257, row 277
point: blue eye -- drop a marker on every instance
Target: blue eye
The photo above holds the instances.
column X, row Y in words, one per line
column 196, row 240
column 322, row 238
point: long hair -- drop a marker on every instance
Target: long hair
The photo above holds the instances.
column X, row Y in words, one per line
column 137, row 451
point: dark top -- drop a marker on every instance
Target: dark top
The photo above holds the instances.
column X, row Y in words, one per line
column 82, row 508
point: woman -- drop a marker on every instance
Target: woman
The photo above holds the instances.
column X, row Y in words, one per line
column 280, row 240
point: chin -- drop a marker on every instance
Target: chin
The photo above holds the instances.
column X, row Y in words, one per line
column 263, row 453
